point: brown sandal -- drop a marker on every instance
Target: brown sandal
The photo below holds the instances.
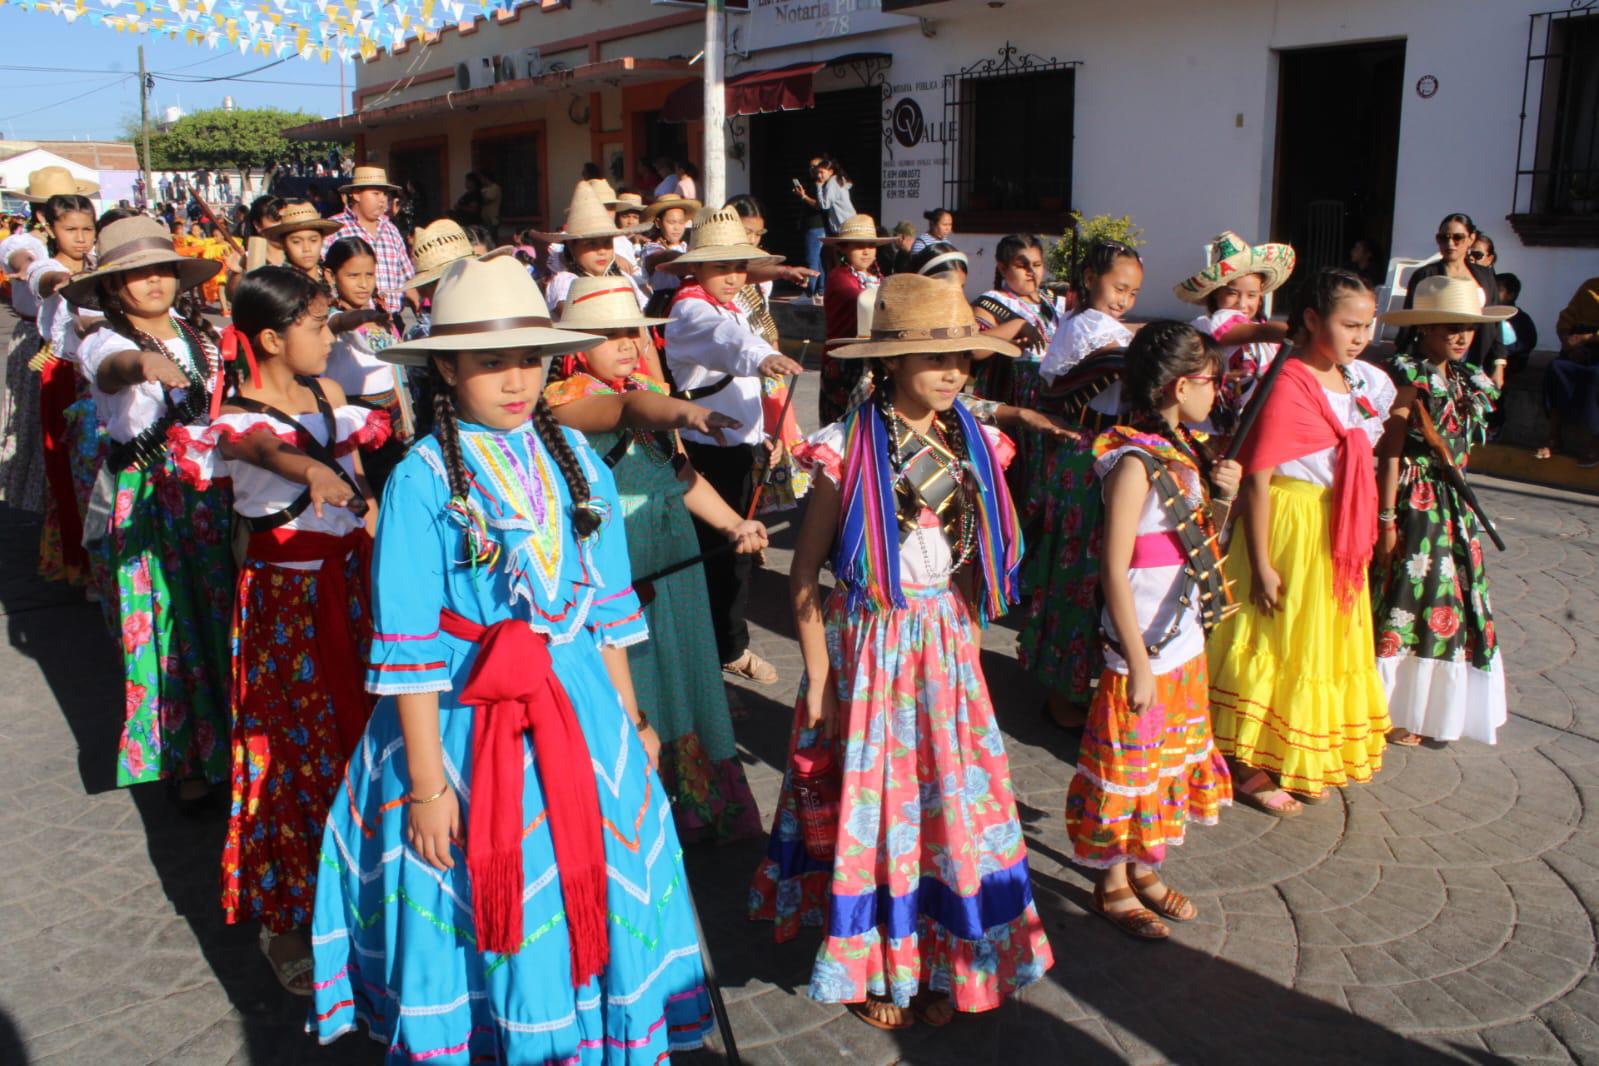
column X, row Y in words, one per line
column 863, row 1011
column 1173, row 905
column 752, row 667
column 1140, row 924
column 1259, row 791
column 1404, row 738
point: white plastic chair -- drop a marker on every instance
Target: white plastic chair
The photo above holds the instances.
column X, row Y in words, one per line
column 1391, row 293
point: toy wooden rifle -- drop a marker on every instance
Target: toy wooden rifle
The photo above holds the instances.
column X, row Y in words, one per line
column 645, row 586
column 1452, row 473
column 770, row 464
column 1257, row 404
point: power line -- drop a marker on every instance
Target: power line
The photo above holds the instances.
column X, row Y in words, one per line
column 68, row 100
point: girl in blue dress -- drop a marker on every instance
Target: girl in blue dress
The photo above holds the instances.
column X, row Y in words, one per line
column 502, row 881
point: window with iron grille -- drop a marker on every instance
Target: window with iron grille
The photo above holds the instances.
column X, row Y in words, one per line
column 1011, row 165
column 1557, row 168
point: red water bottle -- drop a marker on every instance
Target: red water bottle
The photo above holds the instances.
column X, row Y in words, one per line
column 817, row 782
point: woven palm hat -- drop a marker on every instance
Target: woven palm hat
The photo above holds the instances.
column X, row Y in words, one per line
column 719, row 237
column 53, row 181
column 1446, row 301
column 369, row 178
column 436, row 246
column 606, row 193
column 1233, row 257
column 666, row 203
column 858, row 229
column 298, row 217
column 587, row 218
column 915, row 314
column 629, row 201
column 131, row 244
column 487, row 304
column 603, row 303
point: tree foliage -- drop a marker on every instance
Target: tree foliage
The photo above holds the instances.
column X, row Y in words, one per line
column 244, row 138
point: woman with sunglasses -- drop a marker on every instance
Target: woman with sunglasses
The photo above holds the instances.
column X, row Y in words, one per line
column 1457, row 237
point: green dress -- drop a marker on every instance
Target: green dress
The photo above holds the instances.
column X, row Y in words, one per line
column 677, row 675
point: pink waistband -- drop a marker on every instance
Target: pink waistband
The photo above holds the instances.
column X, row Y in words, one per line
column 1156, row 549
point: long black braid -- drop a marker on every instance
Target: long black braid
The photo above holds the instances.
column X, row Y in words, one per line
column 448, row 432
column 1162, row 353
column 584, row 520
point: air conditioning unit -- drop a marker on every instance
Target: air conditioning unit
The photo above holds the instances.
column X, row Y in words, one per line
column 477, row 73
column 505, row 69
column 529, row 63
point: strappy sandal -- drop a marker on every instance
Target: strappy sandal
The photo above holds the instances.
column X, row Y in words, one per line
column 752, row 667
column 1173, row 905
column 1404, row 738
column 864, row 1011
column 295, row 974
column 1268, row 799
column 1543, row 452
column 933, row 1009
column 1314, row 799
column 1139, row 923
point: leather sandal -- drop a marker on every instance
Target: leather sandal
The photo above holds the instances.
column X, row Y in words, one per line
column 1173, row 905
column 1259, row 791
column 295, row 974
column 1404, row 738
column 1139, row 923
column 752, row 667
column 864, row 1011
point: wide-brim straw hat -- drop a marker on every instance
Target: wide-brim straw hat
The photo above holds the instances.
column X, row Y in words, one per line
column 915, row 314
column 603, row 303
column 607, row 194
column 857, row 229
column 587, row 218
column 435, row 247
column 666, row 203
column 369, row 178
column 298, row 217
column 719, row 237
column 1233, row 257
column 629, row 201
column 53, row 181
column 1445, row 301
column 485, row 304
column 132, row 244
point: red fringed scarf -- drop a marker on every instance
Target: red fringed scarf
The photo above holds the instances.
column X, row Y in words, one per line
column 513, row 690
column 1296, row 421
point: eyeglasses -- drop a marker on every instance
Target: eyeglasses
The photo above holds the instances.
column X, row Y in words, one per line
column 1453, row 238
column 1212, row 379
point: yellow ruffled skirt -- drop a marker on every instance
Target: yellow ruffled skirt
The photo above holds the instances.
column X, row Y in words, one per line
column 1297, row 692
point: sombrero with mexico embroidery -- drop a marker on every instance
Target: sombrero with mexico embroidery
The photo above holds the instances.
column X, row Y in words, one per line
column 1233, row 257
column 915, row 314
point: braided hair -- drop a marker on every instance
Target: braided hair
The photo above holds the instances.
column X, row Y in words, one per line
column 269, row 297
column 1323, row 292
column 1162, row 353
column 1099, row 260
column 62, row 204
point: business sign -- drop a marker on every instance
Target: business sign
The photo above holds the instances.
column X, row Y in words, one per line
column 916, row 138
column 776, row 23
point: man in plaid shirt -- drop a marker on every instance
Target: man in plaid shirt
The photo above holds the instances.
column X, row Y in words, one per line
column 366, row 215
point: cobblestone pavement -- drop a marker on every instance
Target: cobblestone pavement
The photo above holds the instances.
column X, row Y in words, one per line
column 1445, row 912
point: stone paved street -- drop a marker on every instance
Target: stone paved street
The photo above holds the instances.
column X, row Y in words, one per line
column 1445, row 912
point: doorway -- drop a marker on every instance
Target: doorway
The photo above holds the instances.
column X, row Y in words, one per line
column 846, row 124
column 1337, row 152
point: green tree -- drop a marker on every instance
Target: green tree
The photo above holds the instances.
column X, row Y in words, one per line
column 246, row 139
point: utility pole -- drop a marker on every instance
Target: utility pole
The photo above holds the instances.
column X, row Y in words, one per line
column 714, row 195
column 144, row 127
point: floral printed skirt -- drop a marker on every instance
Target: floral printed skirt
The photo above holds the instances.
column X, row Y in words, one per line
column 171, row 555
column 929, row 887
column 1297, row 692
column 1142, row 778
column 287, row 756
column 1059, row 644
column 1436, row 647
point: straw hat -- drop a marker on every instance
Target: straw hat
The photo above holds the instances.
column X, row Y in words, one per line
column 369, row 178
column 915, row 314
column 603, row 303
column 132, row 243
column 1233, row 257
column 485, row 304
column 858, row 229
column 605, row 192
column 629, row 201
column 298, row 217
column 666, row 203
column 53, row 181
column 719, row 237
column 434, row 247
column 1445, row 301
column 587, row 218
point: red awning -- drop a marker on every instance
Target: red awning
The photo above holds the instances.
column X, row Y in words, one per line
column 757, row 92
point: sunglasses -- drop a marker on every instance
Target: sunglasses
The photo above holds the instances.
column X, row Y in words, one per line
column 1476, row 256
column 1453, row 238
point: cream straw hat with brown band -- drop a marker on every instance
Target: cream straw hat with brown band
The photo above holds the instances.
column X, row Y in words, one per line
column 369, row 178
column 1446, row 301
column 587, row 218
column 603, row 303
column 298, row 217
column 53, row 181
column 719, row 237
column 132, row 244
column 487, row 304
column 913, row 314
column 858, row 229
column 629, row 201
column 666, row 203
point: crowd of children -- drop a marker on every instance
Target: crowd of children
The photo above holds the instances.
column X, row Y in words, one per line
column 449, row 607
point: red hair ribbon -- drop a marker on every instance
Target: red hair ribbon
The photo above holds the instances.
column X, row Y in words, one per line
column 234, row 340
